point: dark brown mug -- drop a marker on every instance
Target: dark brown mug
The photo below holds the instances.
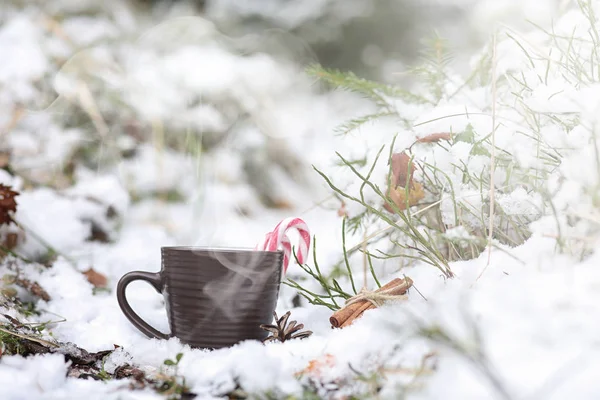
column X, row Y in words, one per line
column 214, row 297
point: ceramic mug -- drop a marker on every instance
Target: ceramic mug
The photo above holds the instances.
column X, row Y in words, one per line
column 215, row 297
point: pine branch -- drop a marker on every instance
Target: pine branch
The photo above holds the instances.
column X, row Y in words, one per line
column 357, row 123
column 376, row 91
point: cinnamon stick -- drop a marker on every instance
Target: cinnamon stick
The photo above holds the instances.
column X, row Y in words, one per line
column 341, row 315
column 367, row 306
column 397, row 290
column 346, row 315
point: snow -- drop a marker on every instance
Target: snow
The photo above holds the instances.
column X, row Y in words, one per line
column 519, row 324
column 20, row 38
column 43, row 374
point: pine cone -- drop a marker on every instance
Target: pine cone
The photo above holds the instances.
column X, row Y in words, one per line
column 7, row 204
column 284, row 331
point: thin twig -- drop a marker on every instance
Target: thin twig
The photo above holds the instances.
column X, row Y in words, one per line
column 32, row 338
column 493, row 157
column 365, row 261
column 418, row 291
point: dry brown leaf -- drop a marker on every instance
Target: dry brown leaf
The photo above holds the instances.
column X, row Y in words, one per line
column 11, row 240
column 398, row 196
column 402, row 176
column 96, row 278
column 34, row 288
column 8, row 204
column 282, row 204
column 316, row 366
column 435, row 137
column 400, row 168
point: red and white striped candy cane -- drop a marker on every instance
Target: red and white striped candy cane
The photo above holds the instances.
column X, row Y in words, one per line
column 277, row 238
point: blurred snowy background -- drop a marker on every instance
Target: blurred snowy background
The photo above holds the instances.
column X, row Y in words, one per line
column 129, row 125
column 207, row 100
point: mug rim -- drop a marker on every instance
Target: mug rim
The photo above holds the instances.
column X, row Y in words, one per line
column 218, row 249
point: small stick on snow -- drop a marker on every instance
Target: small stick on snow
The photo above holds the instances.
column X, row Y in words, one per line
column 492, row 158
column 32, row 338
column 365, row 268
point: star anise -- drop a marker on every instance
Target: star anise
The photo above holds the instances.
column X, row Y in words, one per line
column 7, row 204
column 283, row 330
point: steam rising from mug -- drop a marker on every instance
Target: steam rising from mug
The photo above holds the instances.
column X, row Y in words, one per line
column 242, row 273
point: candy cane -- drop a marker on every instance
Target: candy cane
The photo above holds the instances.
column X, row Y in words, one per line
column 278, row 237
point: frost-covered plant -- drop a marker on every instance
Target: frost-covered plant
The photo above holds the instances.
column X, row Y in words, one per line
column 452, row 220
column 517, row 157
column 555, row 100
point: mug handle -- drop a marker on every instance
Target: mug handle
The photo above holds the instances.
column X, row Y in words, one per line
column 153, row 279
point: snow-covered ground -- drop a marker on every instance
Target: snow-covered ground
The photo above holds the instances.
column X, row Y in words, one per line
column 178, row 138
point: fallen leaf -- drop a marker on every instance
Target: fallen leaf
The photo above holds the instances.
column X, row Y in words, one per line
column 398, row 196
column 281, row 204
column 129, row 371
column 11, row 240
column 400, row 169
column 435, row 137
column 34, row 288
column 402, row 177
column 80, row 356
column 316, row 366
column 95, row 278
column 8, row 204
